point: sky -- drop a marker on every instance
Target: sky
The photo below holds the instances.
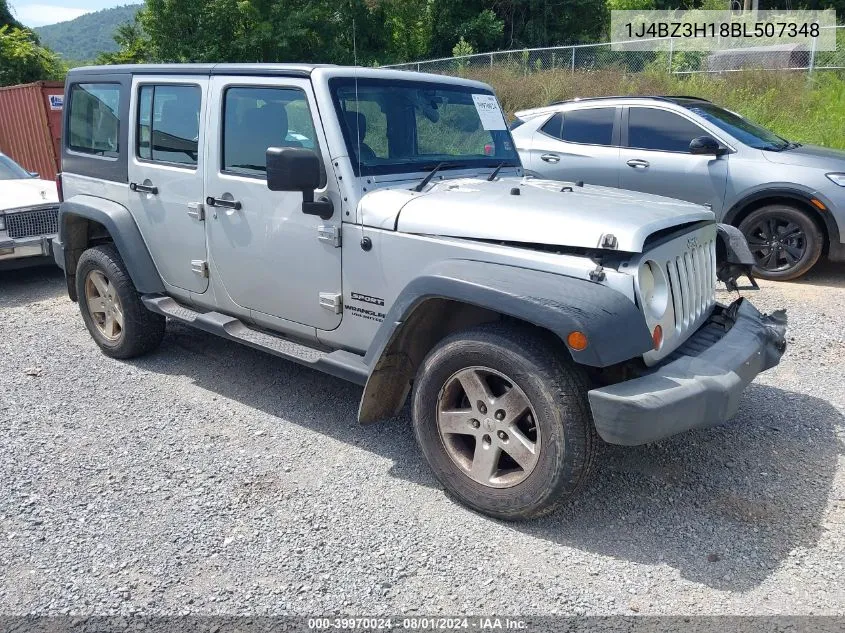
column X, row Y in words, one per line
column 41, row 12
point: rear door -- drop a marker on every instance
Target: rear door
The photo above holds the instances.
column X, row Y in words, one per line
column 166, row 174
column 656, row 159
column 580, row 144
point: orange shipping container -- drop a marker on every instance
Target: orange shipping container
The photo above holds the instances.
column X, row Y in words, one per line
column 31, row 125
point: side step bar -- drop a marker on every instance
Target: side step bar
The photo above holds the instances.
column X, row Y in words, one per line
column 339, row 363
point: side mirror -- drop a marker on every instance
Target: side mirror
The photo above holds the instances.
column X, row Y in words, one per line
column 35, row 174
column 298, row 169
column 705, row 145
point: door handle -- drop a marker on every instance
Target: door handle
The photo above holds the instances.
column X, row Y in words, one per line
column 134, row 186
column 224, row 204
column 637, row 163
column 550, row 158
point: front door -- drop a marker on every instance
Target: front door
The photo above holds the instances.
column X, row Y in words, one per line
column 655, row 159
column 270, row 257
column 165, row 174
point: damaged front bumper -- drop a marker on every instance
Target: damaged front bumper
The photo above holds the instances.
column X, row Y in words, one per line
column 699, row 385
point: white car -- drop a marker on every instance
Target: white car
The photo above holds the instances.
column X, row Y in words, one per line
column 29, row 208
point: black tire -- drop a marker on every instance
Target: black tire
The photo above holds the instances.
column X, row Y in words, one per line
column 142, row 330
column 798, row 241
column 556, row 390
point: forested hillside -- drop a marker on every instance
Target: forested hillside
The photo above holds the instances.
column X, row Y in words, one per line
column 86, row 36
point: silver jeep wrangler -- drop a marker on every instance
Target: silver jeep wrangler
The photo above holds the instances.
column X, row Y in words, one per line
column 377, row 225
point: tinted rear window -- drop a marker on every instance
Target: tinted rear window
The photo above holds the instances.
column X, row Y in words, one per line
column 593, row 126
column 554, row 126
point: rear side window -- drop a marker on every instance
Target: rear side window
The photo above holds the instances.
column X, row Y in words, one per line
column 258, row 118
column 554, row 126
column 168, row 123
column 592, row 126
column 94, row 119
column 655, row 129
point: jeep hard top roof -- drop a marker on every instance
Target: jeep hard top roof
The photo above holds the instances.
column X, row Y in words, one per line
column 76, row 75
column 288, row 70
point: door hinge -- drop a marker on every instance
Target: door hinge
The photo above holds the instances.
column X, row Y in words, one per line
column 200, row 267
column 329, row 233
column 331, row 301
column 196, row 211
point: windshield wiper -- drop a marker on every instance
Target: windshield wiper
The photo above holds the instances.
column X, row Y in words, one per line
column 429, row 176
column 495, row 173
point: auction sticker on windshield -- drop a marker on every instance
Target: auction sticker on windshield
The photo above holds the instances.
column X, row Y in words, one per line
column 489, row 112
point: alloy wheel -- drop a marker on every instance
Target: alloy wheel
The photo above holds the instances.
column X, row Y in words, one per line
column 104, row 305
column 777, row 243
column 488, row 427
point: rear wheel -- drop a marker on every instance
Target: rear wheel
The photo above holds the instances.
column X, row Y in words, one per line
column 785, row 241
column 504, row 422
column 112, row 309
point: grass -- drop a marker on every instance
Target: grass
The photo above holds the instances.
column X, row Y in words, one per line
column 795, row 105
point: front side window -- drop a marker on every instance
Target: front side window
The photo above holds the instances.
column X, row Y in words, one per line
column 255, row 119
column 655, row 129
column 741, row 129
column 94, row 119
column 396, row 126
column 591, row 126
column 168, row 123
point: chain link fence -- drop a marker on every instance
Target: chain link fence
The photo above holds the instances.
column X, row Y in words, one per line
column 585, row 57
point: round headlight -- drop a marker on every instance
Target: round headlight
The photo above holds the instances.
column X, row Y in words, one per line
column 654, row 289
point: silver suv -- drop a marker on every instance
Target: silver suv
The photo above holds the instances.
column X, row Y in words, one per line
column 787, row 198
column 376, row 225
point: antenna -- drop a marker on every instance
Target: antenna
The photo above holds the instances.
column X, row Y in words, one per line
column 357, row 112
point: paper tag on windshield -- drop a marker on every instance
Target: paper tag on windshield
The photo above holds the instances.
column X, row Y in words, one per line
column 489, row 112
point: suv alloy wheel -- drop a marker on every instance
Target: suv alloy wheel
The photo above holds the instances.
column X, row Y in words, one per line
column 784, row 240
column 112, row 310
column 504, row 421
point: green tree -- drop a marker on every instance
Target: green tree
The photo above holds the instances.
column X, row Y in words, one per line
column 22, row 60
column 6, row 16
column 133, row 46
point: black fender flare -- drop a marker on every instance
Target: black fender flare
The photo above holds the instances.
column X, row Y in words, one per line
column 121, row 227
column 789, row 192
column 614, row 326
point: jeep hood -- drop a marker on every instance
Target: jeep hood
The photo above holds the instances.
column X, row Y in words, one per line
column 26, row 192
column 539, row 214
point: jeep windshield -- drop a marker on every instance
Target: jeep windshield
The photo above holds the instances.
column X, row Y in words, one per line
column 394, row 126
column 743, row 130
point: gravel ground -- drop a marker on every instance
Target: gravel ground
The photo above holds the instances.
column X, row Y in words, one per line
column 210, row 478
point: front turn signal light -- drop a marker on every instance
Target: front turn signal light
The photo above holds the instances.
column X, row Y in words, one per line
column 577, row 341
column 657, row 337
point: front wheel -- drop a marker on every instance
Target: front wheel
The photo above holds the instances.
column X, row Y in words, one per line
column 504, row 421
column 785, row 241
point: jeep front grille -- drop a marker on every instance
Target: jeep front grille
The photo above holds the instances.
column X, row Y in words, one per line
column 33, row 222
column 692, row 280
